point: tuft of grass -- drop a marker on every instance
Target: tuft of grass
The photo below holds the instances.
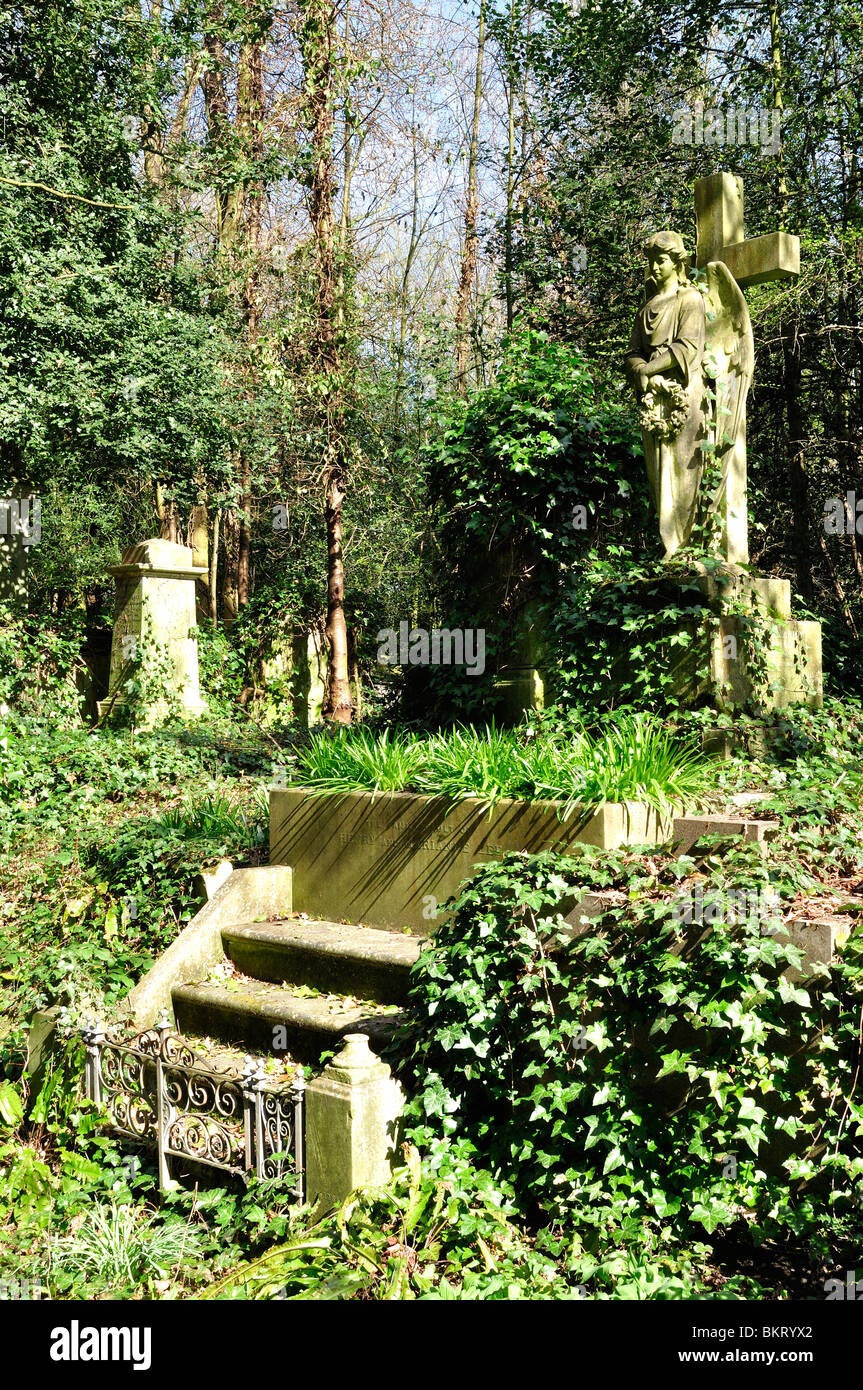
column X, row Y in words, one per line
column 215, row 817
column 630, row 757
column 485, row 763
column 122, row 1244
column 356, row 759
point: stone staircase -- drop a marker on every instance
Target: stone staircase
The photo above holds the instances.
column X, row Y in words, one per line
column 298, row 986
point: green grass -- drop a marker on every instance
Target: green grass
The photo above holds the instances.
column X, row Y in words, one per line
column 357, row 760
column 630, row 757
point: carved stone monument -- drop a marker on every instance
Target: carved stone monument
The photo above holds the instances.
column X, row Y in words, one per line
column 691, row 359
column 155, row 613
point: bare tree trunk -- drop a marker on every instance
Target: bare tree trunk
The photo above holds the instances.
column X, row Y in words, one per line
column 468, row 261
column 509, row 217
column 250, row 116
column 338, row 701
column 798, row 479
column 231, row 566
column 318, row 41
column 166, row 511
column 778, row 106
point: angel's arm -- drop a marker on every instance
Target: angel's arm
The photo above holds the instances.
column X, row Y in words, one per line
column 641, row 367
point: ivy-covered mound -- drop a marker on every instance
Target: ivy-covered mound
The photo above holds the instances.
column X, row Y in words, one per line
column 652, row 1070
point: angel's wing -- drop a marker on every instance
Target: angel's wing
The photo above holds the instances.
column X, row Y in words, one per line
column 729, row 330
column 730, row 359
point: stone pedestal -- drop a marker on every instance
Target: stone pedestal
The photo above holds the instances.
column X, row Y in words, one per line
column 352, row 1114
column 520, row 682
column 155, row 605
column 760, row 656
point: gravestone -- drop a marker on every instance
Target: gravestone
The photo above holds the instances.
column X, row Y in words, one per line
column 693, row 340
column 20, row 528
column 296, row 663
column 155, row 612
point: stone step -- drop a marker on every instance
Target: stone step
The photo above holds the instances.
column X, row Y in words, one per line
column 688, row 830
column 329, row 956
column 270, row 1019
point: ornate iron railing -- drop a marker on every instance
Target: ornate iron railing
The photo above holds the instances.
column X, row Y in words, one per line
column 158, row 1090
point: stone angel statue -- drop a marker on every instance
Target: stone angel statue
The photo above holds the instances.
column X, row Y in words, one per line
column 685, row 339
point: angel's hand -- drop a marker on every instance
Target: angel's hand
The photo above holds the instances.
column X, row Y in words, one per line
column 643, row 382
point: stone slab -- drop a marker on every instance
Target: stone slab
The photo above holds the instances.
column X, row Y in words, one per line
column 393, row 860
column 758, row 592
column 250, row 1012
column 519, row 689
column 820, row 939
column 246, row 893
column 41, row 1044
column 361, row 961
column 688, row 830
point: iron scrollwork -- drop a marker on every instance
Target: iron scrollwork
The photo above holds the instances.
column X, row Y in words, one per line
column 158, row 1090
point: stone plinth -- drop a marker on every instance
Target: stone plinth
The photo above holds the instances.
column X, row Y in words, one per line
column 393, row 860
column 352, row 1117
column 761, row 656
column 155, row 606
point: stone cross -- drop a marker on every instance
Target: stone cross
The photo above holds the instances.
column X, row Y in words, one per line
column 719, row 235
column 776, row 256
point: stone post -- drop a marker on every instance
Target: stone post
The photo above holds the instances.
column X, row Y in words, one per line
column 352, row 1114
column 155, row 602
column 20, row 527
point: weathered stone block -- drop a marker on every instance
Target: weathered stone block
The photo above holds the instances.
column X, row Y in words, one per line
column 687, row 830
column 352, row 1120
column 819, row 940
column 393, row 860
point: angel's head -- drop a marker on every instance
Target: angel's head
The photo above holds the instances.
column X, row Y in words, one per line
column 667, row 257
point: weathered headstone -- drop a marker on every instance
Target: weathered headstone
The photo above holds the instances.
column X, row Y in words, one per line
column 297, row 662
column 155, row 614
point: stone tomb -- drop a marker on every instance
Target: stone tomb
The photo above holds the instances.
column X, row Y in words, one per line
column 155, row 605
column 391, row 860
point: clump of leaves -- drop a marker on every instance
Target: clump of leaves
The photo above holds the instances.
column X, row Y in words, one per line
column 358, row 759
column 650, row 1069
column 123, row 1244
column 427, row 1235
